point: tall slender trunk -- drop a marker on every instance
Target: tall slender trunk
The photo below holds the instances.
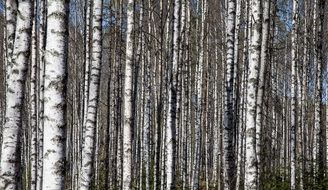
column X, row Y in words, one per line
column 41, row 48
column 170, row 134
column 294, row 96
column 304, row 155
column 147, row 105
column 320, row 59
column 16, row 75
column 199, row 100
column 33, row 105
column 87, row 60
column 261, row 84
column 93, row 96
column 229, row 162
column 317, row 93
column 254, row 63
column 54, row 94
column 128, row 115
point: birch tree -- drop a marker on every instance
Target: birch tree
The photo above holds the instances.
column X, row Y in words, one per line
column 16, row 75
column 40, row 82
column 86, row 60
column 199, row 99
column 294, row 96
column 228, row 167
column 54, row 95
column 261, row 81
column 253, row 64
column 128, row 115
column 170, row 132
column 91, row 118
column 33, row 105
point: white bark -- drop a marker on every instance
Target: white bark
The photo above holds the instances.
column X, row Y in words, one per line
column 128, row 116
column 261, row 81
column 216, row 124
column 41, row 48
column 11, row 9
column 242, row 108
column 54, row 95
column 317, row 115
column 93, row 92
column 147, row 107
column 236, row 86
column 171, row 114
column 228, row 164
column 304, row 155
column 254, row 63
column 33, row 107
column 199, row 99
column 86, row 61
column 16, row 70
column 293, row 97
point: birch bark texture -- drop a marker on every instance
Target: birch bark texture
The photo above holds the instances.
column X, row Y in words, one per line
column 228, row 164
column 170, row 132
column 293, row 97
column 33, row 105
column 91, row 118
column 127, row 104
column 253, row 64
column 16, row 76
column 199, row 98
column 261, row 81
column 41, row 48
column 55, row 95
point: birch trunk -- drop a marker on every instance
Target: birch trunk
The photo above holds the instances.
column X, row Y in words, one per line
column 254, row 63
column 242, row 108
column 54, row 95
column 41, row 48
column 294, row 97
column 199, row 99
column 86, row 61
column 147, row 106
column 228, row 167
column 320, row 59
column 33, row 106
column 261, row 83
column 128, row 116
column 11, row 11
column 304, row 155
column 172, row 101
column 93, row 98
column 317, row 110
column 16, row 75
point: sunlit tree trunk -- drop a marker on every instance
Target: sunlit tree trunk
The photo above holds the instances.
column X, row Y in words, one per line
column 128, row 116
column 87, row 60
column 33, row 106
column 294, row 97
column 16, row 76
column 54, row 95
column 93, row 98
column 41, row 48
column 254, row 63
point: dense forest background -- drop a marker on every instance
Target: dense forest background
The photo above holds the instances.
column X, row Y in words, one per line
column 163, row 94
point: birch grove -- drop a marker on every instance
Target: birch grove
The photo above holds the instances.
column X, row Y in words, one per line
column 163, row 94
